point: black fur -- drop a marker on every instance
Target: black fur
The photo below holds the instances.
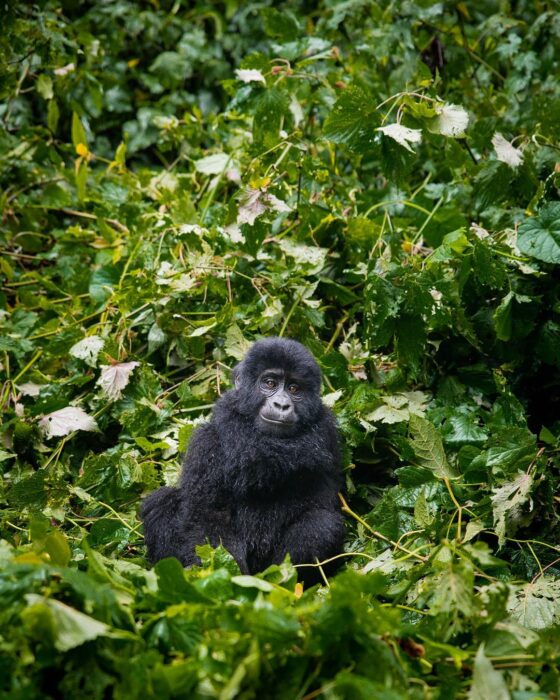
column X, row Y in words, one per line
column 261, row 495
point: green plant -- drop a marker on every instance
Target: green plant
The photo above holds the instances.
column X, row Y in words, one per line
column 379, row 180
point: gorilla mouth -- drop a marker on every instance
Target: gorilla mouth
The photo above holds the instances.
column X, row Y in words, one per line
column 277, row 421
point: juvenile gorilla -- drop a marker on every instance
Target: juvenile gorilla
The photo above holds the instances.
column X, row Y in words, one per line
column 262, row 476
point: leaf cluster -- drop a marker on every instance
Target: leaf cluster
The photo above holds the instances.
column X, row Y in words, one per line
column 378, row 180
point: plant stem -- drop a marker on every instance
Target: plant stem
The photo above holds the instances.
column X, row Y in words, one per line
column 378, row 535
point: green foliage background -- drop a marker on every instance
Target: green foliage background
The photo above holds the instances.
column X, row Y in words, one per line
column 173, row 210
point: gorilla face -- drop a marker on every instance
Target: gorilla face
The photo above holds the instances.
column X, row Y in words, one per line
column 281, row 392
column 278, row 386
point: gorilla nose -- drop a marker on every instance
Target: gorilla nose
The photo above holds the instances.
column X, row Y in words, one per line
column 282, row 406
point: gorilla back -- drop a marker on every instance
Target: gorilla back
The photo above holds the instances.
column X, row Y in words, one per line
column 262, row 476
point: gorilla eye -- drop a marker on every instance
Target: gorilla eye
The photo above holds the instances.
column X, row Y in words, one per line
column 293, row 388
column 271, row 383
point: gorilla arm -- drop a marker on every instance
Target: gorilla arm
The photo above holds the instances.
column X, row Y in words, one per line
column 317, row 534
column 197, row 511
column 161, row 514
column 208, row 497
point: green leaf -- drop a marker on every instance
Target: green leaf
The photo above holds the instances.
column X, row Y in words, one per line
column 69, row 627
column 503, row 316
column 102, row 282
column 507, row 503
column 352, row 120
column 271, row 108
column 45, row 87
column 202, row 330
column 410, row 338
column 120, row 154
column 453, row 593
column 539, row 236
column 428, row 448
column 508, row 451
column 487, row 682
column 213, row 164
column 422, row 511
column 53, row 115
column 78, row 132
column 462, row 429
column 252, row 582
column 280, row 23
column 236, row 345
column 536, row 604
column 503, row 319
column 173, row 585
column 108, row 532
column 171, row 68
column 310, row 258
column 383, row 306
column 29, row 492
column 58, row 548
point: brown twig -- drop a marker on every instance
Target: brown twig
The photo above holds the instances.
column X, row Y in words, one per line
column 87, row 215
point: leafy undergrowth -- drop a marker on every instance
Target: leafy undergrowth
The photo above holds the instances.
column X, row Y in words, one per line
column 379, row 180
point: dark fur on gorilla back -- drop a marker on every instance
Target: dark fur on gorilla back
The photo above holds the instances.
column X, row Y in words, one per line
column 260, row 495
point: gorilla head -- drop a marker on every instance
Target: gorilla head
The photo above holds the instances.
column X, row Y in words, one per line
column 278, row 383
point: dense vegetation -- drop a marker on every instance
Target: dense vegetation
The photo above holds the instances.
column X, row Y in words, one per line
column 377, row 179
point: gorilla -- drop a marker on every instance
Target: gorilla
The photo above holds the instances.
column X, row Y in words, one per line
column 262, row 476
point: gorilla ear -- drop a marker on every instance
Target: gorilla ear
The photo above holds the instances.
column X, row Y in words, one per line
column 236, row 376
